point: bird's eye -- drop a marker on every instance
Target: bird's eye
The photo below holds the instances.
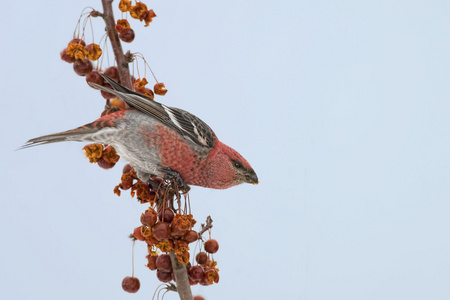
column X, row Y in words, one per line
column 237, row 165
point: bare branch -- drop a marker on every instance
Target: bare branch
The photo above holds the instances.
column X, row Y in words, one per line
column 205, row 227
column 181, row 277
column 122, row 64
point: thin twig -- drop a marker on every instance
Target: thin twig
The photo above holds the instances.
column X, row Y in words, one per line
column 205, row 227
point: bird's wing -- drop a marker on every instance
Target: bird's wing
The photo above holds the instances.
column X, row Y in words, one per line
column 185, row 123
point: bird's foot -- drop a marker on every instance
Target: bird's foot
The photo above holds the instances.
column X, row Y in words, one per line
column 174, row 176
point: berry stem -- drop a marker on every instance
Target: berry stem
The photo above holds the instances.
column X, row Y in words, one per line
column 132, row 259
column 122, row 64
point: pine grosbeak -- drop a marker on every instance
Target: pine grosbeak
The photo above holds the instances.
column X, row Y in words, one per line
column 160, row 140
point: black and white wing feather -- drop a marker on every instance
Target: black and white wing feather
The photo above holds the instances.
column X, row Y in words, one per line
column 185, row 123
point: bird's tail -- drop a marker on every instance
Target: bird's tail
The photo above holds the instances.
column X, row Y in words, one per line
column 79, row 134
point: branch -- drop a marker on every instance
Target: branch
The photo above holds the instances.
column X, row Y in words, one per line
column 122, row 63
column 205, row 227
column 181, row 278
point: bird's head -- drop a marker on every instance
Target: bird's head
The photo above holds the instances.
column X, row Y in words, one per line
column 229, row 168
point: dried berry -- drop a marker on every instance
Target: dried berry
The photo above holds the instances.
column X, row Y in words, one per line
column 124, row 5
column 198, row 297
column 149, row 218
column 151, row 264
column 104, row 164
column 163, row 275
column 148, row 17
column 122, row 24
column 93, row 51
column 201, row 258
column 163, row 263
column 212, row 276
column 137, row 233
column 126, row 169
column 191, row 236
column 131, row 284
column 196, row 273
column 137, row 10
column 211, row 246
column 95, row 77
column 76, row 51
column 160, row 89
column 127, row 35
column 166, row 215
column 107, row 95
column 113, row 72
column 82, row 67
column 66, row 57
column 117, row 102
column 161, row 231
column 78, row 41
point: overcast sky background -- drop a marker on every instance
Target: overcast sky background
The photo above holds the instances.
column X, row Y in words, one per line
column 341, row 107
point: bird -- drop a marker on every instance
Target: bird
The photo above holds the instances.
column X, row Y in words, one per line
column 163, row 141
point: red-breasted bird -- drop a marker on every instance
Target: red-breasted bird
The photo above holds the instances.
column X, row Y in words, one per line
column 163, row 141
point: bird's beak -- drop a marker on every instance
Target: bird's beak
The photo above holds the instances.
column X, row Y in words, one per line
column 251, row 177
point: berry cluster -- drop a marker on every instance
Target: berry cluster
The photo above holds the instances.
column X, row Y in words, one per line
column 169, row 230
column 81, row 55
column 104, row 155
column 138, row 11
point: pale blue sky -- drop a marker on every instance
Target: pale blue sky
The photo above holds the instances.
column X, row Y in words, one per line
column 341, row 107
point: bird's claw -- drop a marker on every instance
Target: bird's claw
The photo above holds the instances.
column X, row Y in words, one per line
column 176, row 177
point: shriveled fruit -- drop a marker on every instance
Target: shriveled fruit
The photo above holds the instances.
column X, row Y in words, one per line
column 149, row 218
column 151, row 264
column 137, row 233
